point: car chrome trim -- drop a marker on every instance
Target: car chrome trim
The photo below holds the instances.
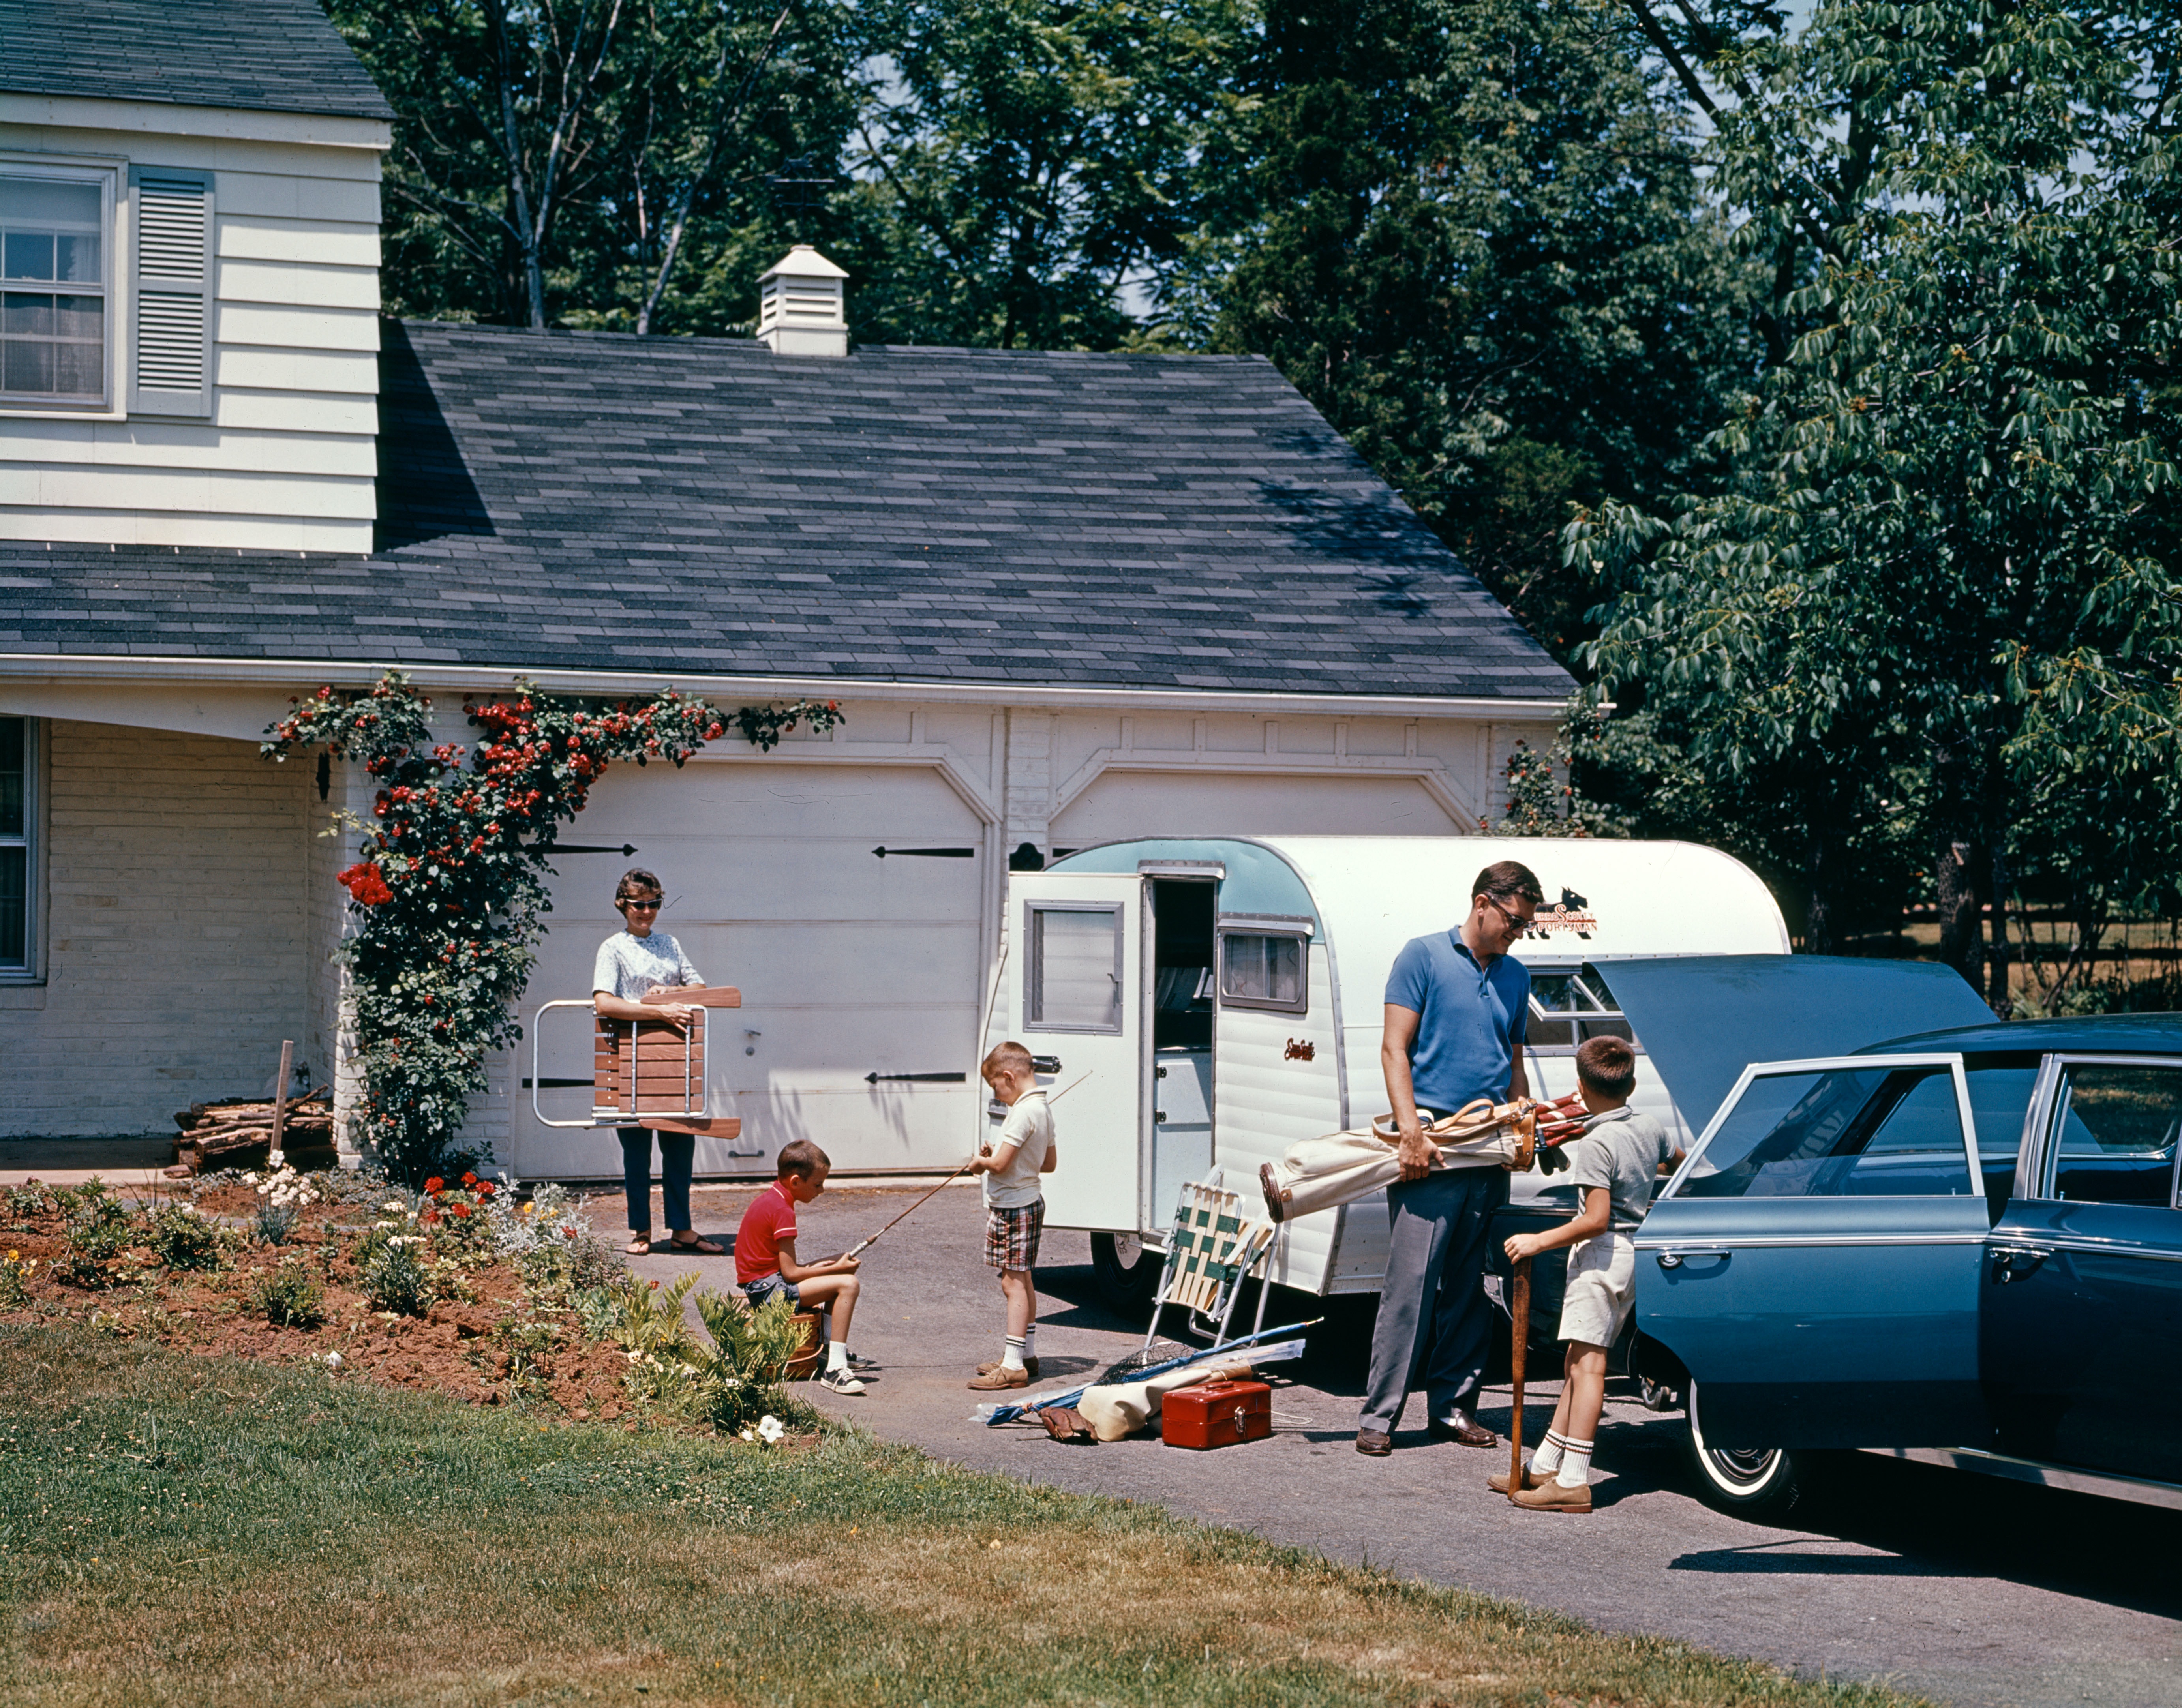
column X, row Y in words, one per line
column 1722, row 1246
column 2111, row 1485
column 2081, row 1243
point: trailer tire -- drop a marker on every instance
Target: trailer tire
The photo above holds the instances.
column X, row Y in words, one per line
column 1128, row 1274
column 1762, row 1484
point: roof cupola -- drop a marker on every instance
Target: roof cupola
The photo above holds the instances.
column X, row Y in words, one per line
column 803, row 307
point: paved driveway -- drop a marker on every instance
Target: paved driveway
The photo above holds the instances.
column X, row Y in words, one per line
column 1971, row 1590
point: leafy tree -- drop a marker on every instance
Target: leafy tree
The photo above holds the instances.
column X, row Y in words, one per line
column 1029, row 162
column 1472, row 232
column 1941, row 545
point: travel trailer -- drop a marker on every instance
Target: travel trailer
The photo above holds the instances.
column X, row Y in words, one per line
column 1204, row 1003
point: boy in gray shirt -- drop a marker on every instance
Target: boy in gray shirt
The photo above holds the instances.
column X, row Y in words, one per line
column 1613, row 1166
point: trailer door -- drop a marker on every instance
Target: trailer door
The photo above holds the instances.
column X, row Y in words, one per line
column 1077, row 990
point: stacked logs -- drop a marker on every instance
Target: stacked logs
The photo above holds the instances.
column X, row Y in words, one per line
column 239, row 1133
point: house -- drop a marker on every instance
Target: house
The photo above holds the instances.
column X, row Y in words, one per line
column 1062, row 598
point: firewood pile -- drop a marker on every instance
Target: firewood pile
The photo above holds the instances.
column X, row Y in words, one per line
column 239, row 1134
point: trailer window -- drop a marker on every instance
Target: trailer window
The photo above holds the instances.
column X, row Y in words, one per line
column 1265, row 970
column 1568, row 1006
column 1075, row 983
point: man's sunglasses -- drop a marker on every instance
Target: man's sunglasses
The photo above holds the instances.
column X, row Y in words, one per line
column 1516, row 922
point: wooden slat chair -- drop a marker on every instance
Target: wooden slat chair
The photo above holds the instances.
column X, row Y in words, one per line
column 1209, row 1254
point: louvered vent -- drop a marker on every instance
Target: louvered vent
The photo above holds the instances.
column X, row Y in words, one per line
column 170, row 230
column 173, row 294
column 170, row 340
column 802, row 306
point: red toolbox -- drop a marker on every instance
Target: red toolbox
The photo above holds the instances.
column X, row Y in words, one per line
column 1216, row 1414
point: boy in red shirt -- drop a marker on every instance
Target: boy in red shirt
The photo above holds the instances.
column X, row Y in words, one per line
column 765, row 1258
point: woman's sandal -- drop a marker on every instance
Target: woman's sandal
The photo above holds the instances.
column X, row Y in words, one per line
column 703, row 1247
column 638, row 1245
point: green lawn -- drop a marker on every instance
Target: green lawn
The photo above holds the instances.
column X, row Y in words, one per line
column 180, row 1530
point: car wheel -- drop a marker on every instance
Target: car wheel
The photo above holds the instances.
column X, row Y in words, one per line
column 1759, row 1483
column 1129, row 1275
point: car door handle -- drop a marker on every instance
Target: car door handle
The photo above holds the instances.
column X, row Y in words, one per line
column 1674, row 1259
column 2010, row 1262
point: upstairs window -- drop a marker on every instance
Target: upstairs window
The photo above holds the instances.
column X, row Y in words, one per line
column 55, row 285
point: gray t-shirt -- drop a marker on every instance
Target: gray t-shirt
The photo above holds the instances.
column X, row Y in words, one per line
column 1621, row 1150
column 1029, row 1127
column 628, row 966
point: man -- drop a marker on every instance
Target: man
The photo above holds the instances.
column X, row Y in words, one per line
column 1457, row 1004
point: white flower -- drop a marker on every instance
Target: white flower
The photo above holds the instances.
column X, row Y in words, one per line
column 393, row 1205
column 250, row 1178
column 771, row 1428
column 749, row 1435
column 276, row 1158
column 333, row 1360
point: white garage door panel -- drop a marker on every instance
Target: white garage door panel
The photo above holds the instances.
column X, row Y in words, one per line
column 1124, row 804
column 849, row 965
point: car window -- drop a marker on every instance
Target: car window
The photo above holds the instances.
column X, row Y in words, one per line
column 2118, row 1127
column 1846, row 1132
column 2000, row 1097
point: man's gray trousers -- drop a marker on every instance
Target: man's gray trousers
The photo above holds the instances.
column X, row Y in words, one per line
column 1434, row 1319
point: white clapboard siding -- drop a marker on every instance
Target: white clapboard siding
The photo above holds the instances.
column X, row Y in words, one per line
column 234, row 494
column 177, row 445
column 296, row 411
column 254, row 533
column 289, row 283
column 355, row 372
column 296, row 328
column 323, row 242
column 267, row 195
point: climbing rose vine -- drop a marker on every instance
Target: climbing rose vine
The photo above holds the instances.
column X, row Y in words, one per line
column 448, row 895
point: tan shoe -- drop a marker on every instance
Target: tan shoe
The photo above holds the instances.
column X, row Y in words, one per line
column 993, row 1380
column 1552, row 1497
column 1030, row 1368
column 1498, row 1482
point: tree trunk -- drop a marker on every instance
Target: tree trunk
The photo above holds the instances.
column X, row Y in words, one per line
column 1957, row 867
column 2002, row 956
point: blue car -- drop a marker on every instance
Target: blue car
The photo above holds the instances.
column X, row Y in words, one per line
column 1962, row 1245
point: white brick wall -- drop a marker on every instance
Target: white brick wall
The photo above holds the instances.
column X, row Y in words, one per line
column 175, row 960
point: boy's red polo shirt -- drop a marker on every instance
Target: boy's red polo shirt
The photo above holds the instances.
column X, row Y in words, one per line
column 770, row 1220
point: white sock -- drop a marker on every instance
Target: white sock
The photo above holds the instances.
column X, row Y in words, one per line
column 1547, row 1459
column 1011, row 1353
column 1030, row 1343
column 836, row 1355
column 1575, row 1463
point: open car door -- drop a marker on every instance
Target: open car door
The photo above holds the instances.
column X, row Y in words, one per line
column 1077, row 990
column 1815, row 1263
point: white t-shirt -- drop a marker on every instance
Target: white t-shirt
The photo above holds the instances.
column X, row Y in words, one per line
column 628, row 966
column 1029, row 1127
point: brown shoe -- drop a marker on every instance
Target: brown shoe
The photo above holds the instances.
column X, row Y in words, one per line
column 1498, row 1482
column 1030, row 1368
column 1552, row 1497
column 1464, row 1434
column 993, row 1380
column 1376, row 1442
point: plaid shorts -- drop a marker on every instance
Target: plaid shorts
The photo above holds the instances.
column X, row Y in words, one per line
column 1011, row 1235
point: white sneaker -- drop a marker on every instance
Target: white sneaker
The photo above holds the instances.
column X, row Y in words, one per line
column 840, row 1382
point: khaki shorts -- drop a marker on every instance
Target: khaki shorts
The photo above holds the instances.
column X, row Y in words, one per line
column 1602, row 1288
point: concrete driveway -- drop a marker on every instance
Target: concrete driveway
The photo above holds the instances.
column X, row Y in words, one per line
column 1971, row 1590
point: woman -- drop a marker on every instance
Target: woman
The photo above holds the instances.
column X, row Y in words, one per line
column 631, row 964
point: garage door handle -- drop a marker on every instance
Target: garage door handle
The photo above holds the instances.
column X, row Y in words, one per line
column 1672, row 1260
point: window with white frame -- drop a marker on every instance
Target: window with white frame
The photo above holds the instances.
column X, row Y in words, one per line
column 18, row 776
column 1262, row 968
column 56, row 286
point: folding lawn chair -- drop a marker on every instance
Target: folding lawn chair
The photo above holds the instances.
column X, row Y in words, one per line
column 1210, row 1252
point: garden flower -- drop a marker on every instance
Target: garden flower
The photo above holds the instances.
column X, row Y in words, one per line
column 771, row 1428
column 395, row 1205
column 435, row 1184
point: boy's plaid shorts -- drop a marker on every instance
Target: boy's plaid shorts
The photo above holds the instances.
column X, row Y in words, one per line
column 1011, row 1235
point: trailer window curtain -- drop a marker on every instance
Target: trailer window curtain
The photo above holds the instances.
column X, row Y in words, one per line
column 1264, row 969
column 1075, row 982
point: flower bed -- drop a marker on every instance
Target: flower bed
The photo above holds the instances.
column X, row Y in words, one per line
column 461, row 1288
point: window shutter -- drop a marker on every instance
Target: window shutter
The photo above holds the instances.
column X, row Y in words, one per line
column 171, row 371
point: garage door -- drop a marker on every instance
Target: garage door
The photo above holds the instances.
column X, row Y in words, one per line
column 1120, row 806
column 849, row 965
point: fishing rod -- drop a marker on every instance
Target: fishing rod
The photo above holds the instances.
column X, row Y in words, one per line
column 998, row 1414
column 864, row 1245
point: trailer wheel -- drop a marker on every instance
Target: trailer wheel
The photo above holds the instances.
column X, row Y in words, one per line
column 1763, row 1483
column 1129, row 1275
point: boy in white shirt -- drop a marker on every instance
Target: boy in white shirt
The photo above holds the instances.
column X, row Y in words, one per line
column 1014, row 1205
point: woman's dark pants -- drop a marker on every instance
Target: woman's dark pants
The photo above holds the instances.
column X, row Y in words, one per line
column 678, row 1155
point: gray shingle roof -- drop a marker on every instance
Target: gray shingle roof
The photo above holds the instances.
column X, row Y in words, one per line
column 592, row 502
column 279, row 56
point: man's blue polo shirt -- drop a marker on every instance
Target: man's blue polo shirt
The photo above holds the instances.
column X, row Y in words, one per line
column 1472, row 1019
